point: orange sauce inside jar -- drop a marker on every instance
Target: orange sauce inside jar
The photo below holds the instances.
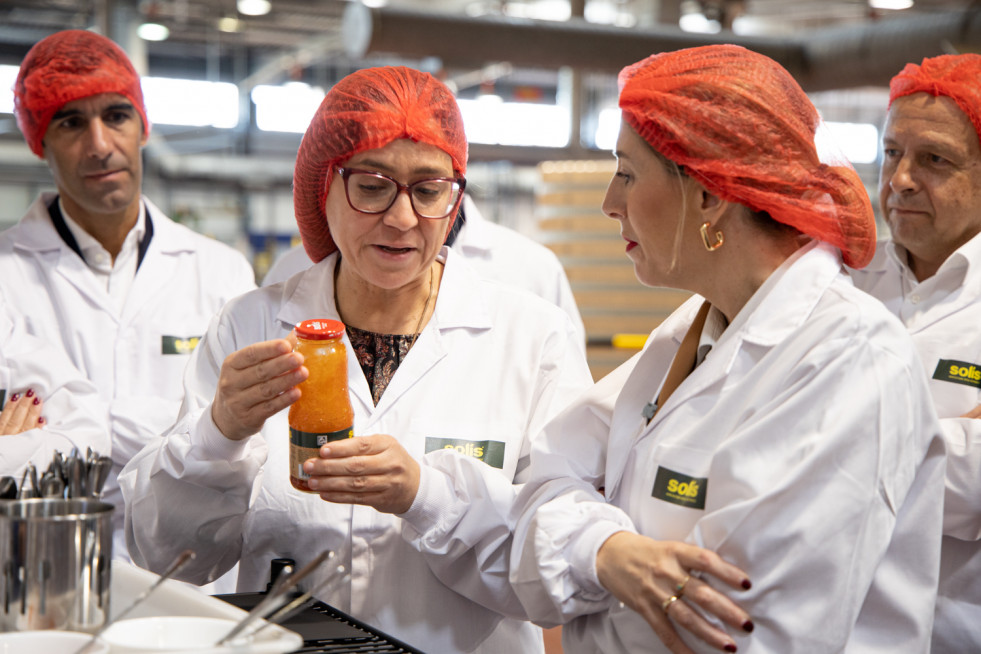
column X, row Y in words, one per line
column 323, row 413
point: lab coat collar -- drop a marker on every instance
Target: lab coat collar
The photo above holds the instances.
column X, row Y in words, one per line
column 39, row 234
column 474, row 237
column 964, row 263
column 36, row 232
column 788, row 296
column 778, row 307
column 168, row 237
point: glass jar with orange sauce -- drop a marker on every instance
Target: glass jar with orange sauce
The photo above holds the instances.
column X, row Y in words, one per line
column 323, row 413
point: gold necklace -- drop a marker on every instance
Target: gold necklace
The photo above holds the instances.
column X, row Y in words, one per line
column 422, row 316
column 425, row 308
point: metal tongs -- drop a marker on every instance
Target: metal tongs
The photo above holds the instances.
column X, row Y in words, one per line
column 276, row 596
column 182, row 559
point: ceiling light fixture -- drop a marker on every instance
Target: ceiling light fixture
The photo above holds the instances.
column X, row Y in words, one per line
column 229, row 24
column 153, row 32
column 891, row 4
column 253, row 7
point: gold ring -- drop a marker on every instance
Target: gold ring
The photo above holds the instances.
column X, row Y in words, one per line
column 668, row 602
column 679, row 590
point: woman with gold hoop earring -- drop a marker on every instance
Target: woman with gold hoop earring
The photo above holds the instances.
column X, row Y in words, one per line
column 443, row 367
column 766, row 475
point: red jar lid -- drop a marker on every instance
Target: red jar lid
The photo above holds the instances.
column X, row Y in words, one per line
column 320, row 329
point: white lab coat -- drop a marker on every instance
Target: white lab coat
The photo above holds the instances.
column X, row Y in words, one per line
column 493, row 364
column 495, row 252
column 183, row 281
column 943, row 315
column 71, row 402
column 817, row 454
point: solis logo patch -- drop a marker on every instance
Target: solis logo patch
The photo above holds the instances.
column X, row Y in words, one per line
column 958, row 372
column 490, row 452
column 178, row 345
column 679, row 488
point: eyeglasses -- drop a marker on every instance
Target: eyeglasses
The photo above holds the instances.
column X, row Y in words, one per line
column 374, row 193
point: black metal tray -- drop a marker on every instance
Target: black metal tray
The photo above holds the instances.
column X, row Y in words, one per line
column 326, row 629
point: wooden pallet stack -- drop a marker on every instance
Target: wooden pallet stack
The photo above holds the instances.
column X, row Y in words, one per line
column 612, row 302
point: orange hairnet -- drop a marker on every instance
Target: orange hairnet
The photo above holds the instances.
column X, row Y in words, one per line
column 68, row 66
column 369, row 109
column 956, row 76
column 736, row 121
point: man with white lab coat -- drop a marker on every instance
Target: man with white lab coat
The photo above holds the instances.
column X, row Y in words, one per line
column 929, row 275
column 97, row 269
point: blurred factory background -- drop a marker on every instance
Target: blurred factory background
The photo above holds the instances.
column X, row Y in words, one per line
column 231, row 85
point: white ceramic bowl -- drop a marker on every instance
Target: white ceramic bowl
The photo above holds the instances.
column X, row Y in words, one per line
column 35, row 642
column 183, row 634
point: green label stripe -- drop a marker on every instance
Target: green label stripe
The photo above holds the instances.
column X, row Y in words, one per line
column 178, row 344
column 680, row 489
column 308, row 439
column 958, row 372
column 490, row 452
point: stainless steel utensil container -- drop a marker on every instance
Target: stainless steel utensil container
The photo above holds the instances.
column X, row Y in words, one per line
column 55, row 557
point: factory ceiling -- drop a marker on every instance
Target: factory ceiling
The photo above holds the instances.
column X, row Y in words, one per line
column 826, row 44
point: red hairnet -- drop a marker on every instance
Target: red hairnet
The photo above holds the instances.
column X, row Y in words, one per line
column 736, row 121
column 956, row 76
column 68, row 66
column 366, row 110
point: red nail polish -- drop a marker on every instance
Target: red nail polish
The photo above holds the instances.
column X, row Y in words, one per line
column 37, row 400
column 730, row 647
column 41, row 420
column 30, row 392
column 747, row 584
column 748, row 626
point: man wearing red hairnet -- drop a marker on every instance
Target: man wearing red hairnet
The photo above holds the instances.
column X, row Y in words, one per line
column 929, row 275
column 98, row 269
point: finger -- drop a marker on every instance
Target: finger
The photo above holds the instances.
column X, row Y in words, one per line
column 715, row 603
column 684, row 615
column 706, row 561
column 256, row 354
column 350, row 447
column 238, row 419
column 267, row 390
column 250, row 406
column 19, row 414
column 356, row 472
column 973, row 413
column 8, row 411
column 33, row 414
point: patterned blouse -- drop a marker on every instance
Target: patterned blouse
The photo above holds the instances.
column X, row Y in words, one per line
column 379, row 355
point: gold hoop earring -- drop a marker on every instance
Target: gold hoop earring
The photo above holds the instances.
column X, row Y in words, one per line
column 719, row 237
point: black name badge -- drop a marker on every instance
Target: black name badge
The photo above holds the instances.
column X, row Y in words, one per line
column 490, row 452
column 679, row 488
column 958, row 372
column 178, row 344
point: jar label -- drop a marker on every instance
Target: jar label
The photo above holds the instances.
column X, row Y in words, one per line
column 306, row 445
column 317, row 439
